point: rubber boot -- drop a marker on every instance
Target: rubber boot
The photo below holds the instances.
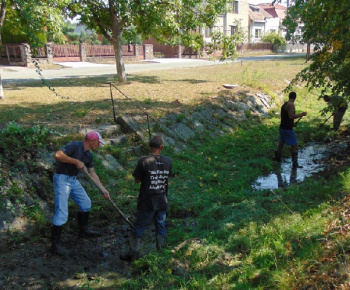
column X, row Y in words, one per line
column 56, row 241
column 134, row 249
column 160, row 241
column 295, row 160
column 84, row 231
column 278, row 156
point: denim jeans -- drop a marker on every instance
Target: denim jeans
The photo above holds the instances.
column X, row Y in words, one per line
column 143, row 218
column 68, row 186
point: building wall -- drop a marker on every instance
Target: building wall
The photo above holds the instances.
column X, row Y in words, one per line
column 256, row 26
column 226, row 21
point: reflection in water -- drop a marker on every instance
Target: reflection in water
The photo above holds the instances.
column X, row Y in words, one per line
column 310, row 158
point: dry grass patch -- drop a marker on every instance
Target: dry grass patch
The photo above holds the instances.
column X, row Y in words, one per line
column 158, row 92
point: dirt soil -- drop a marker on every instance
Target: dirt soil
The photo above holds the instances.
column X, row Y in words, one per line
column 92, row 262
column 29, row 264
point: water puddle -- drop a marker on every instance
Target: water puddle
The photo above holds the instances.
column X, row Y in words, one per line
column 311, row 158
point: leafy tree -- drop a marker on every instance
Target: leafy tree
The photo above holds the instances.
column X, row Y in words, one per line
column 166, row 21
column 227, row 44
column 275, row 39
column 131, row 36
column 73, row 36
column 83, row 37
column 326, row 26
column 68, row 27
column 29, row 19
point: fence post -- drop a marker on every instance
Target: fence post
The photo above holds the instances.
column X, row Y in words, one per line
column 82, row 51
column 136, row 51
column 25, row 54
column 148, row 51
column 49, row 53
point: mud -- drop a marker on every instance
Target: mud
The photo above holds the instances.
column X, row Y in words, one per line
column 92, row 262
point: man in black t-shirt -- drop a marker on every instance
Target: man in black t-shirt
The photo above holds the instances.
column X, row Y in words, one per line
column 152, row 172
column 287, row 133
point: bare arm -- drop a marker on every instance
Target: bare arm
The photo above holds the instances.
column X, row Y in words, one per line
column 290, row 108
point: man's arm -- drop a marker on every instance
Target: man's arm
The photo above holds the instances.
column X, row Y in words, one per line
column 290, row 108
column 61, row 156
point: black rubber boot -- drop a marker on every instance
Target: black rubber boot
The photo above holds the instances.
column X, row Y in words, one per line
column 56, row 241
column 160, row 241
column 295, row 160
column 134, row 249
column 278, row 156
column 84, row 231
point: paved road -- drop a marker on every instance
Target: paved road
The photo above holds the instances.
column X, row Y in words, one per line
column 14, row 74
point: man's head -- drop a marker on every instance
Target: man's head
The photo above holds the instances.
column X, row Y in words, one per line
column 326, row 98
column 95, row 136
column 156, row 142
column 292, row 95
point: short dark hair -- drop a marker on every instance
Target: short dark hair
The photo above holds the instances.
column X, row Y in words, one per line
column 293, row 95
column 156, row 142
column 326, row 98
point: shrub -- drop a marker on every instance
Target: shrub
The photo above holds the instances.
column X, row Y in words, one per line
column 275, row 39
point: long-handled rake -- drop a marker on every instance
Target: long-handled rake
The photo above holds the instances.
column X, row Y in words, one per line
column 110, row 200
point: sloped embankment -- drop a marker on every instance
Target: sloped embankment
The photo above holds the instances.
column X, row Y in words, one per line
column 26, row 203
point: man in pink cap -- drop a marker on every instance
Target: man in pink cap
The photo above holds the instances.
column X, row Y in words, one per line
column 72, row 159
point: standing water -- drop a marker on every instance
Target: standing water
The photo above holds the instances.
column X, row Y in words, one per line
column 310, row 157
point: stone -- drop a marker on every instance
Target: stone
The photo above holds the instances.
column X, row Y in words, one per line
column 110, row 163
column 108, row 130
column 119, row 140
column 127, row 124
column 182, row 131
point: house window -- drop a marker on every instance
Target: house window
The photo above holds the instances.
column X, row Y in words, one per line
column 257, row 33
column 235, row 7
column 272, row 30
column 233, row 30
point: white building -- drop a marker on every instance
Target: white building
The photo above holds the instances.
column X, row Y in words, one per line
column 238, row 14
column 265, row 18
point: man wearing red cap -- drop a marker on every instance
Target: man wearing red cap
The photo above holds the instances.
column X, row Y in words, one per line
column 72, row 159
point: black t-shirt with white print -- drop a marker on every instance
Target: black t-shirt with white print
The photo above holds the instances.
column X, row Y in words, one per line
column 153, row 171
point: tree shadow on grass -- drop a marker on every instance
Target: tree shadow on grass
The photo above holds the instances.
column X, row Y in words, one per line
column 77, row 81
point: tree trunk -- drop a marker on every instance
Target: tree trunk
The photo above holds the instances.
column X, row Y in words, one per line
column 117, row 44
column 308, row 49
column 3, row 4
column 117, row 29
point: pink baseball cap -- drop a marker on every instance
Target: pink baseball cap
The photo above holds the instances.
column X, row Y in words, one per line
column 93, row 135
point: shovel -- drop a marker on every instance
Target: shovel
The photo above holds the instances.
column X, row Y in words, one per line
column 109, row 199
column 326, row 120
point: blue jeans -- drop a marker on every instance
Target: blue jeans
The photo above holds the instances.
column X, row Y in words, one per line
column 143, row 218
column 68, row 186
